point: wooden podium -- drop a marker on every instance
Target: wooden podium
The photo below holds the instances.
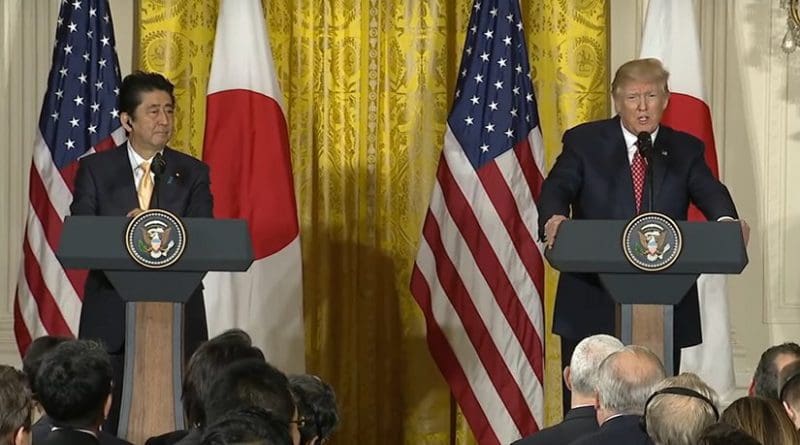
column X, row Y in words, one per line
column 646, row 299
column 151, row 392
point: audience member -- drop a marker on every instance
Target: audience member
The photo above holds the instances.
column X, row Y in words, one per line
column 679, row 410
column 251, row 425
column 765, row 379
column 210, row 358
column 580, row 377
column 253, row 383
column 625, row 380
column 74, row 388
column 724, row 434
column 762, row 418
column 31, row 364
column 789, row 390
column 316, row 403
column 15, row 407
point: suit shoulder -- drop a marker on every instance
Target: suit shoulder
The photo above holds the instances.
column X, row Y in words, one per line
column 102, row 157
column 590, row 129
column 186, row 160
column 680, row 140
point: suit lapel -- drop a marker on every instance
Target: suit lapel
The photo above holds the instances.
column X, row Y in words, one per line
column 660, row 147
column 169, row 185
column 124, row 174
column 626, row 203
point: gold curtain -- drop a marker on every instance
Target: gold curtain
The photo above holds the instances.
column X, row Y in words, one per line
column 367, row 87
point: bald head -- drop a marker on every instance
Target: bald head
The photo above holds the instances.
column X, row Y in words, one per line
column 626, row 379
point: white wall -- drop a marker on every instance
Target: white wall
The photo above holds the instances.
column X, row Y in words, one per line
column 27, row 30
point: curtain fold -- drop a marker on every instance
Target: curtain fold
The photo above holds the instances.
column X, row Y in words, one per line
column 367, row 87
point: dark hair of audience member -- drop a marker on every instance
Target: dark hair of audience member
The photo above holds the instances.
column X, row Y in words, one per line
column 249, row 383
column 250, row 425
column 74, row 383
column 15, row 404
column 762, row 418
column 724, row 434
column 765, row 379
column 209, row 360
column 316, row 403
column 35, row 354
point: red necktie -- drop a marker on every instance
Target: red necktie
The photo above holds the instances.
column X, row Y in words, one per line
column 638, row 171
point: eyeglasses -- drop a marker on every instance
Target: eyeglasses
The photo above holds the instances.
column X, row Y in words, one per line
column 301, row 422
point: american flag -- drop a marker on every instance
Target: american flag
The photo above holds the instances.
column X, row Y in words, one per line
column 479, row 275
column 79, row 116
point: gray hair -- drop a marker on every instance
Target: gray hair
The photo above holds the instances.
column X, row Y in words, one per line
column 586, row 359
column 675, row 419
column 626, row 379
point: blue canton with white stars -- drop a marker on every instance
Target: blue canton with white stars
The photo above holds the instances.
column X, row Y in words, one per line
column 494, row 106
column 80, row 105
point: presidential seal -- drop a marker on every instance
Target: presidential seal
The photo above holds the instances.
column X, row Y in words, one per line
column 155, row 238
column 652, row 242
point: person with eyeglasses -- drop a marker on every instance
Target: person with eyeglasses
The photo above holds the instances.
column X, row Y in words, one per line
column 253, row 383
column 316, row 404
column 15, row 407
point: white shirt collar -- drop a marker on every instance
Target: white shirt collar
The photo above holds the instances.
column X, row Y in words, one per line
column 135, row 159
column 630, row 140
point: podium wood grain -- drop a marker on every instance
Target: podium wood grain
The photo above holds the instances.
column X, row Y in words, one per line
column 152, row 403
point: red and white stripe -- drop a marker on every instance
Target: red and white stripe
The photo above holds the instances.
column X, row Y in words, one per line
column 479, row 280
column 671, row 35
column 247, row 148
column 48, row 298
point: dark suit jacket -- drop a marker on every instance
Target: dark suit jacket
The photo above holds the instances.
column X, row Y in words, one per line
column 41, row 434
column 168, row 438
column 577, row 423
column 41, row 430
column 617, row 431
column 69, row 437
column 104, row 186
column 592, row 179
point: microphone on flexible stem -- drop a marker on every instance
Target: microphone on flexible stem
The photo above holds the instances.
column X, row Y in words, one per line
column 157, row 167
column 645, row 145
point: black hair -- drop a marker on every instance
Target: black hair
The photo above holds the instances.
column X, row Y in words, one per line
column 138, row 82
column 73, row 382
column 209, row 360
column 316, row 402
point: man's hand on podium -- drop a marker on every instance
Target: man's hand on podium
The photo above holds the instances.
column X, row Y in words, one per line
column 134, row 212
column 551, row 229
column 745, row 231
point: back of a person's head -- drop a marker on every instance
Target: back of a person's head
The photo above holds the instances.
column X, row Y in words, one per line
column 762, row 418
column 35, row 354
column 246, row 383
column 724, row 434
column 209, row 360
column 765, row 379
column 626, row 379
column 15, row 405
column 676, row 417
column 586, row 359
column 248, row 425
column 74, row 383
column 316, row 403
column 789, row 387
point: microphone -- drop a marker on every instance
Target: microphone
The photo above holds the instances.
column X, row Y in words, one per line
column 157, row 166
column 645, row 144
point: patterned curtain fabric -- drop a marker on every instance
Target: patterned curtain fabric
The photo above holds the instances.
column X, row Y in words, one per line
column 367, row 87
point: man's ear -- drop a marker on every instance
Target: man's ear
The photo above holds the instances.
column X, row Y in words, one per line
column 22, row 436
column 568, row 378
column 125, row 120
column 751, row 390
column 107, row 406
